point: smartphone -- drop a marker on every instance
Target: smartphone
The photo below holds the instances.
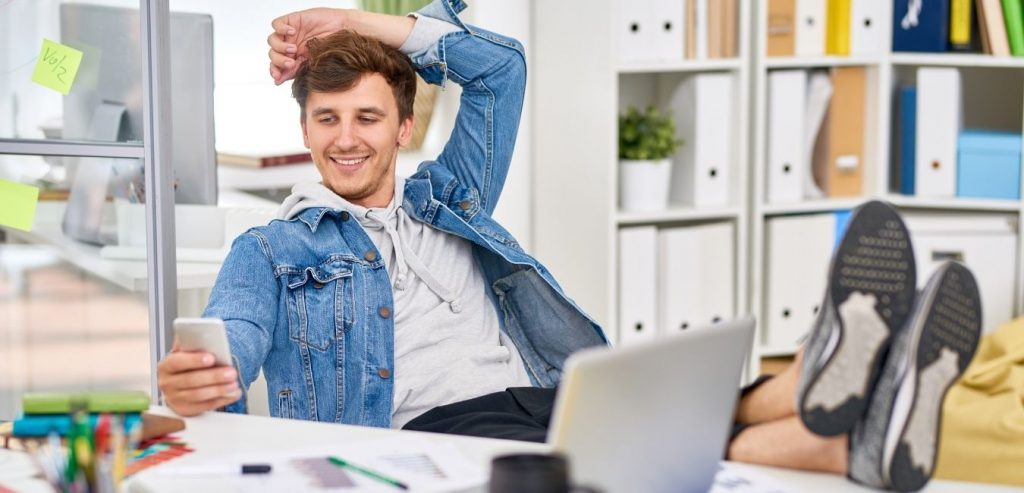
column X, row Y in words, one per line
column 203, row 334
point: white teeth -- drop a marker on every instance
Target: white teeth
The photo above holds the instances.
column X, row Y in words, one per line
column 349, row 162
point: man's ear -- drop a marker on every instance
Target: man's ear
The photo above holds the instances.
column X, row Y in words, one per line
column 305, row 136
column 405, row 131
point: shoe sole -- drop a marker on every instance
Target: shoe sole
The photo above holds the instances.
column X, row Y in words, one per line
column 873, row 265
column 949, row 336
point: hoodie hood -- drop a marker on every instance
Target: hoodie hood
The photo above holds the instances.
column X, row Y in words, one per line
column 386, row 227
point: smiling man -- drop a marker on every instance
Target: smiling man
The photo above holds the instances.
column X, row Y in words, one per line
column 375, row 298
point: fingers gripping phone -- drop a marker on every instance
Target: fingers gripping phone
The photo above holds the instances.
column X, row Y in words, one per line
column 203, row 334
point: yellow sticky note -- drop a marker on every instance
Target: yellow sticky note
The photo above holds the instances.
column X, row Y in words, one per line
column 57, row 66
column 17, row 205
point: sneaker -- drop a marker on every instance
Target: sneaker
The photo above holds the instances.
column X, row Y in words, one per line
column 869, row 295
column 897, row 444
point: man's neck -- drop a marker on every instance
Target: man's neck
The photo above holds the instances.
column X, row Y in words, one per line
column 375, row 201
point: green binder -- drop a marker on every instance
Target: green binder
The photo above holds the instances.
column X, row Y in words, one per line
column 129, row 401
column 1014, row 26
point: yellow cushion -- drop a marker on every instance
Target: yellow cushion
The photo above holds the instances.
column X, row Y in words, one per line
column 983, row 421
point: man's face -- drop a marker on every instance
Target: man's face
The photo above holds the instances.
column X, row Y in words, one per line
column 354, row 137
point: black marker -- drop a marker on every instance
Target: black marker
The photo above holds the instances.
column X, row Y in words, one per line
column 256, row 468
column 220, row 470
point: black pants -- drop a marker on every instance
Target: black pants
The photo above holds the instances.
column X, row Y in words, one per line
column 518, row 413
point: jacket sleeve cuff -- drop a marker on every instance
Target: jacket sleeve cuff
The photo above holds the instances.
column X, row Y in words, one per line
column 425, row 34
column 239, row 406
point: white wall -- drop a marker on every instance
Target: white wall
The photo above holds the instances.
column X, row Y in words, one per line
column 248, row 107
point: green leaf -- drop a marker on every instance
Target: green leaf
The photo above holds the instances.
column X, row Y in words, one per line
column 647, row 134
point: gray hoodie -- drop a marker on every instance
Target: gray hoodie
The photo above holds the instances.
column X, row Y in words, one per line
column 448, row 342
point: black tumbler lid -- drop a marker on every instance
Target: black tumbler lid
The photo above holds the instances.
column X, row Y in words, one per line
column 536, row 473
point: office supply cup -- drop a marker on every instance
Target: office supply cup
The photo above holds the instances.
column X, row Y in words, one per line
column 536, row 473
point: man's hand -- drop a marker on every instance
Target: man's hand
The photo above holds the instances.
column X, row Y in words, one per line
column 191, row 384
column 292, row 31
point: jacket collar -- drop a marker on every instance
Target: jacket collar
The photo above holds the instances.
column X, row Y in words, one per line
column 416, row 202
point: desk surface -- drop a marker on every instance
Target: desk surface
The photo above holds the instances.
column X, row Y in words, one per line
column 217, row 434
column 129, row 274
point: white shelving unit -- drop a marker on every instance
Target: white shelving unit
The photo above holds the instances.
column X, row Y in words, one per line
column 579, row 89
column 885, row 72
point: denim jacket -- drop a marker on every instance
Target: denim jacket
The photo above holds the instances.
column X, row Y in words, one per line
column 303, row 298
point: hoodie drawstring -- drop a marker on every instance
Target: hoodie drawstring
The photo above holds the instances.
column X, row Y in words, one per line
column 406, row 260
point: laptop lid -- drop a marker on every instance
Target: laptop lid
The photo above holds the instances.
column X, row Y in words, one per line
column 653, row 417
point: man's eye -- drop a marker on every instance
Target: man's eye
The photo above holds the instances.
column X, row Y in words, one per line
column 328, row 119
column 368, row 120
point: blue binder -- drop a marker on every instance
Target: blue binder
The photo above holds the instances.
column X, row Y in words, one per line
column 927, row 31
column 907, row 135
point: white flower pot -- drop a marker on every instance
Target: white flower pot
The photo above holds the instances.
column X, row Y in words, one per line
column 643, row 185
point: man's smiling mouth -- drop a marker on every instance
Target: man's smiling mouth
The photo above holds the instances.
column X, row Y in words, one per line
column 353, row 161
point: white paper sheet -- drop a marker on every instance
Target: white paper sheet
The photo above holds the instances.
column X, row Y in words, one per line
column 738, row 478
column 424, row 465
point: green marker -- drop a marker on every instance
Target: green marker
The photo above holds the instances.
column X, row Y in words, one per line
column 375, row 475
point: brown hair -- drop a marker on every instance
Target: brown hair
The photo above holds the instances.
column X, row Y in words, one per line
column 337, row 62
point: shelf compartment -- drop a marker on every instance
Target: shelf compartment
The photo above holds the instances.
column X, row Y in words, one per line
column 775, row 351
column 821, row 61
column 676, row 215
column 900, row 201
column 956, row 60
column 659, row 66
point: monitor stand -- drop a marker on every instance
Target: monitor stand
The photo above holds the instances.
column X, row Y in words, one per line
column 90, row 182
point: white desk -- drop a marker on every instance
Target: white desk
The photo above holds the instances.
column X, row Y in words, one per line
column 193, row 278
column 129, row 274
column 215, row 435
column 219, row 434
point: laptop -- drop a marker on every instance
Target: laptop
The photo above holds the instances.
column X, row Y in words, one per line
column 653, row 417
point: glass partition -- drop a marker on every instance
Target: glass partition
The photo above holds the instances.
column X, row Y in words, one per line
column 70, row 71
column 73, row 313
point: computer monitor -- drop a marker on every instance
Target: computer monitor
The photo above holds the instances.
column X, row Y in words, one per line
column 106, row 101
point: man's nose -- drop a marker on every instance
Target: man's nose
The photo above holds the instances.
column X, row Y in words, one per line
column 346, row 138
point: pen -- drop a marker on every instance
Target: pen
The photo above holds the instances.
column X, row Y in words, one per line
column 221, row 470
column 375, row 475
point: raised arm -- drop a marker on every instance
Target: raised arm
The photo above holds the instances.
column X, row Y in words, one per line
column 491, row 69
column 292, row 31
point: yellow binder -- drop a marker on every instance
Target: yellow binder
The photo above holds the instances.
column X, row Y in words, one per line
column 837, row 39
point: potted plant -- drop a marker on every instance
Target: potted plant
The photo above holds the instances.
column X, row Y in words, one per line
column 426, row 94
column 646, row 142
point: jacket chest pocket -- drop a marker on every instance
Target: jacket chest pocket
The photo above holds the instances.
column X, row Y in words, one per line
column 319, row 304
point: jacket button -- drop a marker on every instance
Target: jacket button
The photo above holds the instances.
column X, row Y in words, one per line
column 344, row 215
column 370, row 255
column 384, row 373
column 384, row 312
column 464, row 205
column 318, row 285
